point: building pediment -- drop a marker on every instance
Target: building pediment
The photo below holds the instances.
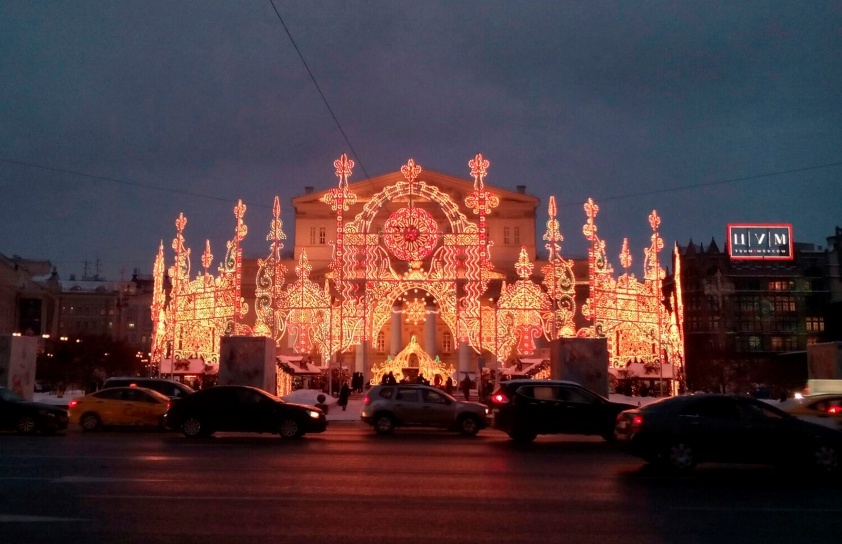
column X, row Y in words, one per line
column 456, row 188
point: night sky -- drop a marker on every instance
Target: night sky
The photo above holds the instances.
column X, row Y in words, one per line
column 629, row 103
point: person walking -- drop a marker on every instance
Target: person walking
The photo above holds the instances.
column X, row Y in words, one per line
column 466, row 387
column 448, row 386
column 344, row 393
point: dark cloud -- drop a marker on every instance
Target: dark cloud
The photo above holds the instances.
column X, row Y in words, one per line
column 574, row 99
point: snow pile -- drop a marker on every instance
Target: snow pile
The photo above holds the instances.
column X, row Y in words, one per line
column 308, row 396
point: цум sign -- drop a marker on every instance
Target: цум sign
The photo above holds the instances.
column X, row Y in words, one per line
column 760, row 241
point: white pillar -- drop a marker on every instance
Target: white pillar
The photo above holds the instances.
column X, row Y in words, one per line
column 464, row 358
column 359, row 359
column 430, row 332
column 397, row 325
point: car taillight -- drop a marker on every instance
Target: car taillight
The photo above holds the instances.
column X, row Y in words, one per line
column 73, row 403
column 499, row 398
column 367, row 400
column 169, row 404
column 834, row 410
column 636, row 423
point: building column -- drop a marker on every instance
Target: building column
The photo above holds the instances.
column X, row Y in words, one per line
column 359, row 358
column 430, row 332
column 397, row 325
column 464, row 358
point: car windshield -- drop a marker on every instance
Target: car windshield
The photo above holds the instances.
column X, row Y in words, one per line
column 10, row 396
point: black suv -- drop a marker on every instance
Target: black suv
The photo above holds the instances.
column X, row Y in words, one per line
column 170, row 388
column 526, row 408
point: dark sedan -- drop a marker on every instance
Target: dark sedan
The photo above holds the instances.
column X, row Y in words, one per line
column 680, row 432
column 239, row 408
column 526, row 408
column 25, row 417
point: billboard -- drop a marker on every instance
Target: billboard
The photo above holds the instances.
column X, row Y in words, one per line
column 760, row 241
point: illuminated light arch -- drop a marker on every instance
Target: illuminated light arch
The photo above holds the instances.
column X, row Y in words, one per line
column 426, row 365
column 459, row 258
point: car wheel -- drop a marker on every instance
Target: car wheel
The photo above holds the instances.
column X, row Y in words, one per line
column 384, row 424
column 89, row 422
column 680, row 456
column 825, row 458
column 26, row 424
column 289, row 428
column 192, row 427
column 523, row 436
column 469, row 425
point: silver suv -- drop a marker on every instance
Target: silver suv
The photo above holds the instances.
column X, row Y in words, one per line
column 389, row 406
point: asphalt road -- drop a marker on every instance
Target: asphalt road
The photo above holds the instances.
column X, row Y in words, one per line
column 349, row 486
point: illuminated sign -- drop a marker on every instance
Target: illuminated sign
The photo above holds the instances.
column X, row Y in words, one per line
column 760, row 241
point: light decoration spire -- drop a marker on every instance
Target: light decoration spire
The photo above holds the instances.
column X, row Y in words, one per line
column 271, row 274
column 559, row 281
column 160, row 340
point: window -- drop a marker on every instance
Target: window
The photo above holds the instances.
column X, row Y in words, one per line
column 715, row 408
column 381, row 342
column 815, row 324
column 322, row 235
column 446, row 342
column 516, row 235
column 506, row 239
column 541, row 392
column 407, row 395
column 781, row 285
column 574, row 394
column 312, row 236
column 433, row 397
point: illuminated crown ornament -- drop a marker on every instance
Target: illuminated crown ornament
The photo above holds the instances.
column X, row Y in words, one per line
column 340, row 197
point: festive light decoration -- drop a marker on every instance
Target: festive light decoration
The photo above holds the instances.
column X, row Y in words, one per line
column 426, row 245
column 271, row 273
column 406, row 362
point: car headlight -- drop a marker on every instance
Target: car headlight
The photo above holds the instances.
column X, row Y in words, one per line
column 314, row 414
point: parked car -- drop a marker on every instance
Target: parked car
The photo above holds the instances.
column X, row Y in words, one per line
column 680, row 432
column 525, row 408
column 241, row 408
column 414, row 405
column 170, row 388
column 821, row 409
column 119, row 407
column 26, row 417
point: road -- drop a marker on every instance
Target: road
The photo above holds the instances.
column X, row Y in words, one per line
column 349, row 486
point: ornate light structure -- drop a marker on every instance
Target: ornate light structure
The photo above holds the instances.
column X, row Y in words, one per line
column 412, row 237
column 271, row 274
column 410, row 358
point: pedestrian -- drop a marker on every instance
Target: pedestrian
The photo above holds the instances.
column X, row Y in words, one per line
column 344, row 393
column 466, row 387
column 448, row 386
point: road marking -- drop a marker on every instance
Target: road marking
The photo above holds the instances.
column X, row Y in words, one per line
column 7, row 518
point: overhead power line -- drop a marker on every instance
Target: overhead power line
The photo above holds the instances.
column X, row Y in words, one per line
column 601, row 199
column 316, row 83
column 119, row 181
column 712, row 183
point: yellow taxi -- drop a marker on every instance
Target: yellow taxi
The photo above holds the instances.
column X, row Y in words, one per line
column 822, row 409
column 119, row 406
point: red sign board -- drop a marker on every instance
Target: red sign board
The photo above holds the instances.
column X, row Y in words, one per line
column 760, row 241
